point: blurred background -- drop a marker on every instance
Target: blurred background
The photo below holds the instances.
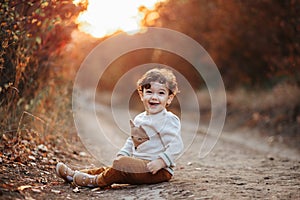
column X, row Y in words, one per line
column 254, row 43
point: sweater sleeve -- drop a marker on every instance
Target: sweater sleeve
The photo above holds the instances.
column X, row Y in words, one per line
column 126, row 150
column 171, row 138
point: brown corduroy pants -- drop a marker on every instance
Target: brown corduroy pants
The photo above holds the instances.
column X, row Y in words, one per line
column 128, row 170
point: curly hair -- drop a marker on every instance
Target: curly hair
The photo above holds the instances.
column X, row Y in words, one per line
column 160, row 75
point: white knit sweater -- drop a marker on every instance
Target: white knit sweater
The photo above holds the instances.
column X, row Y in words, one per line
column 164, row 131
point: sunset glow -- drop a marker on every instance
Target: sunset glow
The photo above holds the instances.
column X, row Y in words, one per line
column 106, row 17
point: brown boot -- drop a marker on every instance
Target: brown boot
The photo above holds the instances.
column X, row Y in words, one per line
column 85, row 180
column 64, row 172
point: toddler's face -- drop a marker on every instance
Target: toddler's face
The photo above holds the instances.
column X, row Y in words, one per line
column 156, row 98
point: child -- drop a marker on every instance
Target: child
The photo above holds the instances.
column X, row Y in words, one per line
column 144, row 159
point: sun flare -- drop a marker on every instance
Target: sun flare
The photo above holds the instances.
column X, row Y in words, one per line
column 106, row 17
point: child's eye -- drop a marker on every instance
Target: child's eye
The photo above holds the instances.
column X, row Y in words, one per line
column 161, row 92
column 148, row 92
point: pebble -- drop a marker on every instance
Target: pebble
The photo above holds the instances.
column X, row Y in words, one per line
column 55, row 191
column 42, row 148
column 76, row 190
column 31, row 158
column 82, row 154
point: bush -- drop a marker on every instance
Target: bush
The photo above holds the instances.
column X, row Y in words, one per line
column 33, row 33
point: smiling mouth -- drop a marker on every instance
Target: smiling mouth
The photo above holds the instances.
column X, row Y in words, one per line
column 153, row 104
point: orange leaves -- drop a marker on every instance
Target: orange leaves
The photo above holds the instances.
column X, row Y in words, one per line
column 23, row 187
column 44, row 4
column 26, row 163
column 32, row 34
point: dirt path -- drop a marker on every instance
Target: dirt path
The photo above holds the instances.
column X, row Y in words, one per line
column 242, row 165
column 233, row 170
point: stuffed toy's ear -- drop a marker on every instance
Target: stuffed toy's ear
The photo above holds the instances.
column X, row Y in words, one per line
column 131, row 124
column 138, row 135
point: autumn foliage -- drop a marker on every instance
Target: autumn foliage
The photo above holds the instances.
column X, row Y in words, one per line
column 32, row 35
column 253, row 42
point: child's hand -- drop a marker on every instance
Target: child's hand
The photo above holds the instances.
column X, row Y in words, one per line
column 155, row 165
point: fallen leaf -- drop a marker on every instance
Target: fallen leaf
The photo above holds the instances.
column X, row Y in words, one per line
column 7, row 186
column 23, row 187
column 36, row 190
column 4, row 137
column 96, row 189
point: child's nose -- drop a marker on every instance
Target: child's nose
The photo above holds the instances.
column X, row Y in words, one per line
column 154, row 96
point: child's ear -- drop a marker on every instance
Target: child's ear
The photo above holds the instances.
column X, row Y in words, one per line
column 170, row 99
column 141, row 94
